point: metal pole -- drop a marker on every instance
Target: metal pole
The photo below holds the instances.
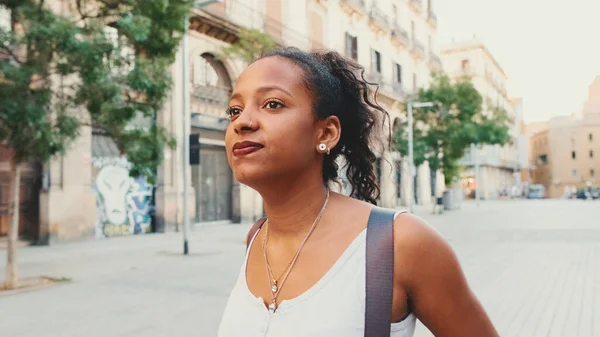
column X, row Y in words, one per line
column 476, row 155
column 186, row 136
column 410, row 158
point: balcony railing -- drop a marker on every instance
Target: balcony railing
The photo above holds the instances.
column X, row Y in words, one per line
column 398, row 89
column 417, row 49
column 435, row 60
column 354, row 6
column 375, row 77
column 210, row 99
column 211, row 94
column 224, row 22
column 392, row 90
column 432, row 19
column 378, row 18
column 416, row 5
column 400, row 36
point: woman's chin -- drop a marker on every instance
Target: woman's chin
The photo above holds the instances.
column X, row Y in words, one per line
column 251, row 178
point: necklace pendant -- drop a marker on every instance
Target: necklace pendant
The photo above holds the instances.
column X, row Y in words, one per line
column 272, row 307
column 274, row 288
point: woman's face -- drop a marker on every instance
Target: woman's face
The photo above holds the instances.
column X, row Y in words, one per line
column 272, row 133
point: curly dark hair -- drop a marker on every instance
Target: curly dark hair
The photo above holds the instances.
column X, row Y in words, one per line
column 334, row 83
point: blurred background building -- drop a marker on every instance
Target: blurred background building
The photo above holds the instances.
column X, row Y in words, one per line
column 498, row 165
column 564, row 152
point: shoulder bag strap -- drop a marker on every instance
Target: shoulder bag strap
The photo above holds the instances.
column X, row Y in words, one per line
column 379, row 272
column 257, row 225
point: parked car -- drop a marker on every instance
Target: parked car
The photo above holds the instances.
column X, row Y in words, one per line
column 536, row 191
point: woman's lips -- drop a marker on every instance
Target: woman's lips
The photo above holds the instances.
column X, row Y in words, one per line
column 245, row 148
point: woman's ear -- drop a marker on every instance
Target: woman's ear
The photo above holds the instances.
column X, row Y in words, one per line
column 329, row 132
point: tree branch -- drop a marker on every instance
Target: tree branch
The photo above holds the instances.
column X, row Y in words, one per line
column 12, row 54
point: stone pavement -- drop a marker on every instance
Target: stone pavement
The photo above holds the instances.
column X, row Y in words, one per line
column 535, row 265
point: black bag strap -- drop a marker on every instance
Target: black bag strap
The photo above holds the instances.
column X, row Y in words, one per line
column 255, row 228
column 379, row 272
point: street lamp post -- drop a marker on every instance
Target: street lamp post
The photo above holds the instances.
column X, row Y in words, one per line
column 186, row 124
column 411, row 160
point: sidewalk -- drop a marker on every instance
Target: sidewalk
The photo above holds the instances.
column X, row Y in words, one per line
column 534, row 265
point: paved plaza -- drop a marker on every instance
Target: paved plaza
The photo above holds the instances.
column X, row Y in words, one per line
column 535, row 265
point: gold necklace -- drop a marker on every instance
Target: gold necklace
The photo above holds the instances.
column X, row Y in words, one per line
column 275, row 288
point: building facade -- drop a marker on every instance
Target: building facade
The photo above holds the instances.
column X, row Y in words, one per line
column 564, row 153
column 497, row 164
column 87, row 193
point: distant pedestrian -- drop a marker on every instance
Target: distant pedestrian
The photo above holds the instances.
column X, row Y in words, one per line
column 293, row 114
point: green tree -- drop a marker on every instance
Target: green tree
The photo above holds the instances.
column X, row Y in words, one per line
column 251, row 45
column 443, row 132
column 104, row 65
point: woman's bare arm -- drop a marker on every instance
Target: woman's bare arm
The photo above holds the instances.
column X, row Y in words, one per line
column 428, row 269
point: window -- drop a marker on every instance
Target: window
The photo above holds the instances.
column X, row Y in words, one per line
column 574, row 173
column 592, row 173
column 573, row 155
column 591, row 137
column 204, row 73
column 592, row 154
column 464, row 65
column 376, row 61
column 543, row 159
column 397, row 73
column 351, row 47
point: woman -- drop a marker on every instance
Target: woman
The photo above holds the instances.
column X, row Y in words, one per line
column 292, row 115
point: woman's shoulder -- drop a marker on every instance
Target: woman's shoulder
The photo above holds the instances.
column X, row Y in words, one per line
column 419, row 247
column 414, row 237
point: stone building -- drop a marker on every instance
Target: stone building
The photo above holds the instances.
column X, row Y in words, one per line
column 497, row 164
column 564, row 152
column 86, row 192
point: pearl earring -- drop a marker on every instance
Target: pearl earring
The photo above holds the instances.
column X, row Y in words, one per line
column 323, row 148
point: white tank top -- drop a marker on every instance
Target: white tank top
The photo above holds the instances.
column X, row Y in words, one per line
column 333, row 307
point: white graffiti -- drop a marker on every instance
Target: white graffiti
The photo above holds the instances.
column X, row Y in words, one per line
column 113, row 183
column 124, row 204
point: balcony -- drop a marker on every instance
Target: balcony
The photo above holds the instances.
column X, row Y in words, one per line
column 354, row 7
column 432, row 20
column 223, row 21
column 394, row 91
column 417, row 50
column 416, row 6
column 400, row 36
column 435, row 61
column 399, row 90
column 210, row 99
column 374, row 77
column 378, row 20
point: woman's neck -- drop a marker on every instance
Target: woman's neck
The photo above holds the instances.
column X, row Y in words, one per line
column 292, row 209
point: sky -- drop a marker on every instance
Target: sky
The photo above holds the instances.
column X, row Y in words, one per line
column 549, row 49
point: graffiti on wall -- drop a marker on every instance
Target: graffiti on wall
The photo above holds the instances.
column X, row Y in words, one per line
column 124, row 205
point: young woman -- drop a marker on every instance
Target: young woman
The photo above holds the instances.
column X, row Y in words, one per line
column 292, row 115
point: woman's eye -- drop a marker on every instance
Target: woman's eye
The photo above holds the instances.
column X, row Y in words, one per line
column 233, row 111
column 273, row 105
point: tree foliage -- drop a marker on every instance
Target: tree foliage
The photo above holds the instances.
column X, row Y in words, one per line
column 98, row 63
column 443, row 132
column 251, row 45
column 104, row 64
